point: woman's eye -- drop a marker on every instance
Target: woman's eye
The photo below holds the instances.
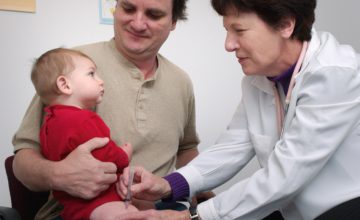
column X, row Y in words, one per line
column 240, row 32
column 92, row 73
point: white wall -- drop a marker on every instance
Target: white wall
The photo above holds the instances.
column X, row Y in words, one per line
column 196, row 45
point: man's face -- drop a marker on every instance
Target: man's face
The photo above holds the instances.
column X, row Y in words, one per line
column 142, row 26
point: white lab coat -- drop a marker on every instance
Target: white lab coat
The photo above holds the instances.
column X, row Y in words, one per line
column 315, row 163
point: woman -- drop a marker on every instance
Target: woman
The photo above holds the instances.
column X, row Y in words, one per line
column 299, row 115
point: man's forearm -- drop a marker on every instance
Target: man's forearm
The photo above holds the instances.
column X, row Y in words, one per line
column 185, row 156
column 32, row 169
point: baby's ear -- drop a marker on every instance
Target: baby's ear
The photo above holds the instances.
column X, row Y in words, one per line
column 62, row 84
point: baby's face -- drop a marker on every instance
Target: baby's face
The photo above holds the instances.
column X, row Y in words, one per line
column 87, row 86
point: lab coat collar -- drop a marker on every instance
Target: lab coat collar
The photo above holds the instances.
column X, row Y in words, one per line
column 312, row 49
column 263, row 83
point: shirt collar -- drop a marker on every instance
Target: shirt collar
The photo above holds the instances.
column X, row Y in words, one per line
column 133, row 70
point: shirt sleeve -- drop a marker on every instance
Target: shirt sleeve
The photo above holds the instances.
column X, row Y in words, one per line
column 27, row 135
column 190, row 139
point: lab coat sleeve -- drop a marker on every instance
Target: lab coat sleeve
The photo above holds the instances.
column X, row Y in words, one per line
column 328, row 108
column 222, row 161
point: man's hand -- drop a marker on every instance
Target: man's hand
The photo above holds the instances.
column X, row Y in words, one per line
column 146, row 186
column 81, row 175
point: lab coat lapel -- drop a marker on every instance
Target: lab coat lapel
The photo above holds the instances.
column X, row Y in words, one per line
column 314, row 46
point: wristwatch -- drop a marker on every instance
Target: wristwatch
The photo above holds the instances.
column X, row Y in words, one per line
column 193, row 213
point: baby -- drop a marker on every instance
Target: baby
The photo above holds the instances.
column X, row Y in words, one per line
column 68, row 84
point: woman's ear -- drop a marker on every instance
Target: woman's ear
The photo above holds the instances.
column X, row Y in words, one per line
column 287, row 27
column 62, row 84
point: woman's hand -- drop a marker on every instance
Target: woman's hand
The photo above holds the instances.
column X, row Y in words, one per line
column 146, row 186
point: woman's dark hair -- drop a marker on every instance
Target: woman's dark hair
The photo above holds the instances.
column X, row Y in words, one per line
column 274, row 12
column 179, row 10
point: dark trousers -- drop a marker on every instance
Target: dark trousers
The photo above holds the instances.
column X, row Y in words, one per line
column 274, row 216
column 349, row 210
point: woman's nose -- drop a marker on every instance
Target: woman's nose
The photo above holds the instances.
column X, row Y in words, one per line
column 230, row 43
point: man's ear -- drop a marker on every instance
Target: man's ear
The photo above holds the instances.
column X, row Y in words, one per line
column 287, row 27
column 173, row 26
column 62, row 84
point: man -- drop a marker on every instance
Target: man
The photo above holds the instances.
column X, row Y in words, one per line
column 148, row 102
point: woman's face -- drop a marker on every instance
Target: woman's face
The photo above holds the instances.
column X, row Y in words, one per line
column 259, row 48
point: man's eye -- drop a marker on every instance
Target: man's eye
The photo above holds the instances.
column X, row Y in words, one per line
column 154, row 15
column 128, row 8
column 92, row 73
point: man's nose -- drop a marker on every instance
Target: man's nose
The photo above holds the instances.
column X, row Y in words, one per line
column 139, row 22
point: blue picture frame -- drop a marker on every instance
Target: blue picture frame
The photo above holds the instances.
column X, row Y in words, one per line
column 106, row 8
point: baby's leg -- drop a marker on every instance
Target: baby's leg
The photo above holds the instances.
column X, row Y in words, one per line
column 111, row 211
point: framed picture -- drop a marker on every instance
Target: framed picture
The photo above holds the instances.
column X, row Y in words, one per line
column 106, row 10
column 18, row 5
